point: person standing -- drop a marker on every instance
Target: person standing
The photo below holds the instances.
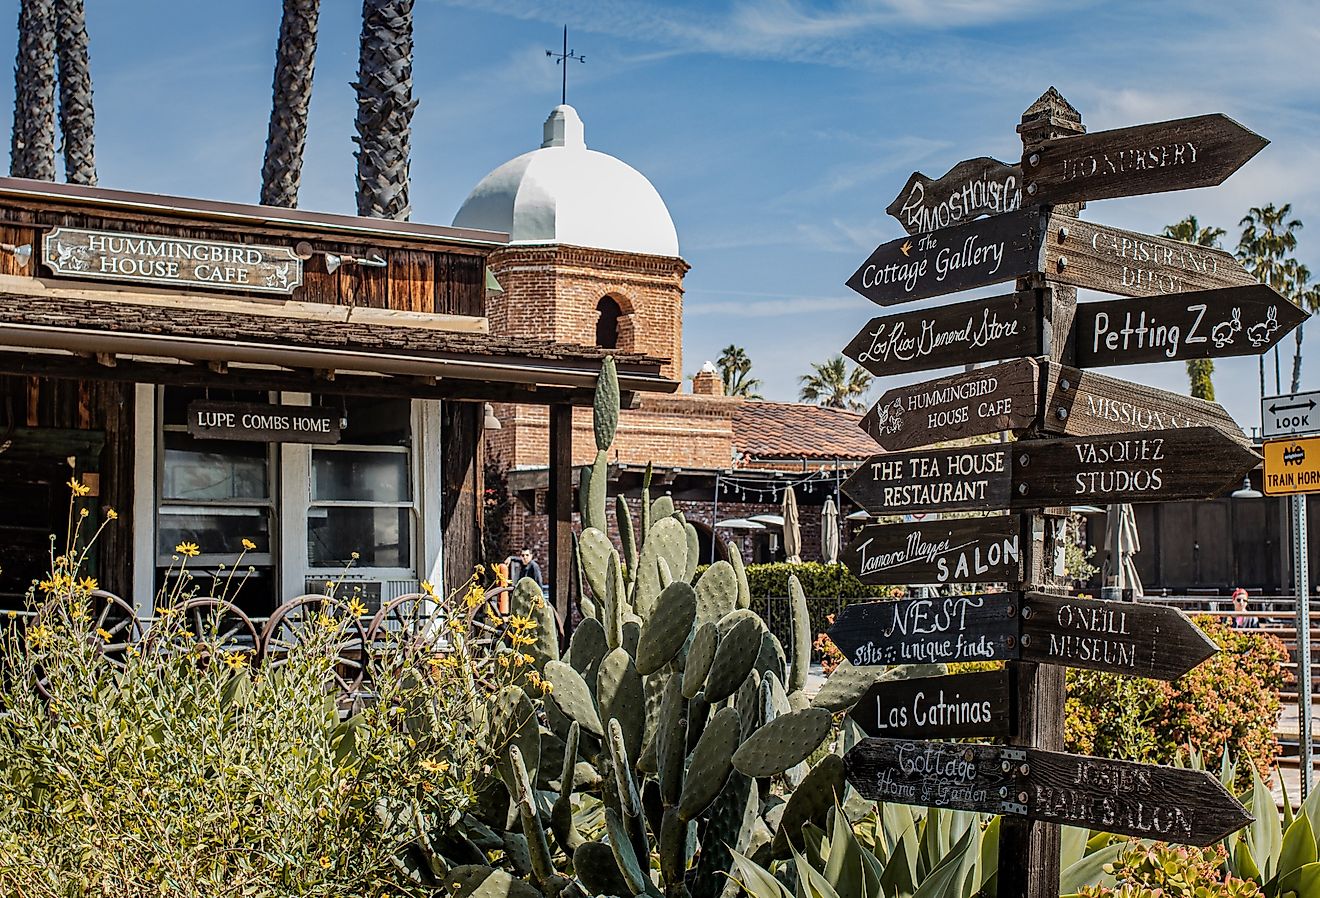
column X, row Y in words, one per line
column 524, row 565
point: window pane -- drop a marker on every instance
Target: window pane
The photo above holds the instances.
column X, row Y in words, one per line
column 216, row 534
column 372, row 422
column 364, row 476
column 175, row 402
column 380, row 536
column 213, row 470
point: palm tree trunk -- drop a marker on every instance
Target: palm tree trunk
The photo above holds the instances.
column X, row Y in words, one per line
column 77, row 120
column 32, row 150
column 385, row 108
column 1297, row 360
column 295, row 61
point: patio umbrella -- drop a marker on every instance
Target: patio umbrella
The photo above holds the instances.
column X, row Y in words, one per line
column 829, row 531
column 1121, row 543
column 739, row 524
column 792, row 529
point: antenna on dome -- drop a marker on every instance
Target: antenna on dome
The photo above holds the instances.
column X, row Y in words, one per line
column 562, row 59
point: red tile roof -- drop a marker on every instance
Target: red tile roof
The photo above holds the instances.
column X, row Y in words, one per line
column 794, row 430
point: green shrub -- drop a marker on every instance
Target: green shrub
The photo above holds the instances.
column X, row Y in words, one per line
column 1229, row 702
column 1166, row 871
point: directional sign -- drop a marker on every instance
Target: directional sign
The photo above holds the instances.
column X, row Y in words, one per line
column 929, row 631
column 960, row 706
column 1292, row 466
column 1090, row 255
column 1117, row 637
column 1152, row 466
column 1190, row 152
column 986, row 251
column 981, row 186
column 1083, row 403
column 979, row 330
column 1292, row 414
column 1206, row 324
column 1172, row 804
column 964, row 550
column 973, row 403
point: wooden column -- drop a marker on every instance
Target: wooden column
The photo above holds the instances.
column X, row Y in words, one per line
column 461, row 499
column 1029, row 849
column 559, row 509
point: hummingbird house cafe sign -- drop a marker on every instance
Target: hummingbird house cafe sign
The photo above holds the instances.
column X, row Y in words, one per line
column 171, row 261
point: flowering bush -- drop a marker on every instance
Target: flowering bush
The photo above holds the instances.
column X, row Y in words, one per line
column 1166, row 871
column 180, row 763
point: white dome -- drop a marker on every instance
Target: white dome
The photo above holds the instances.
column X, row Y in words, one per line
column 566, row 193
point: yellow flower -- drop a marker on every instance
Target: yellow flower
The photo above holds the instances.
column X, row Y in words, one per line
column 456, row 625
column 519, row 623
column 325, row 862
column 88, row 583
column 103, row 633
column 189, row 549
column 39, row 636
column 356, row 608
column 433, row 766
column 111, row 514
column 12, row 614
column 248, row 545
column 354, row 555
column 326, row 621
column 476, row 595
column 503, row 660
column 78, row 487
column 479, row 569
column 428, row 588
column 521, row 639
column 236, row 660
column 82, row 512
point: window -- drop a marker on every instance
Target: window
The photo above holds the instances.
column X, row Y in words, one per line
column 215, row 494
column 362, row 489
column 607, row 323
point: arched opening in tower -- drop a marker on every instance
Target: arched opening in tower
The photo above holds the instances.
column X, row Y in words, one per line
column 607, row 323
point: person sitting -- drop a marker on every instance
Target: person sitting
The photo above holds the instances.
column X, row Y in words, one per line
column 1241, row 619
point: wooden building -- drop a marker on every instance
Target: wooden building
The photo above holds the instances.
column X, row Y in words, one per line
column 313, row 384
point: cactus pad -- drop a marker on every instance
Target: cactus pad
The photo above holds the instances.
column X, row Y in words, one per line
column 797, row 671
column 571, row 693
column 771, row 657
column 475, row 881
column 624, row 856
column 671, row 741
column 728, row 827
column 594, row 551
column 594, row 864
column 605, row 405
column 810, row 802
column 666, row 540
column 587, row 648
column 735, row 655
column 622, row 698
column 662, row 507
column 712, row 760
column 783, row 742
column 527, row 600
column 700, row 655
column 693, row 553
column 600, row 477
column 514, row 723
column 668, row 629
column 849, row 682
column 717, row 592
column 740, row 569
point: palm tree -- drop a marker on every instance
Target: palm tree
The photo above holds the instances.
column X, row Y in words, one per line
column 77, row 121
column 385, row 108
column 1306, row 298
column 1267, row 243
column 1199, row 371
column 736, row 372
column 295, row 61
column 832, row 386
column 32, row 148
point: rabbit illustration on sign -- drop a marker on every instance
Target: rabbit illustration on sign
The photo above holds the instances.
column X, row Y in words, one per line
column 889, row 418
column 1259, row 334
column 1224, row 330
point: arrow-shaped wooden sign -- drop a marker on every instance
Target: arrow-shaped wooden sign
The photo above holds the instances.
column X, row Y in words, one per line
column 1090, row 255
column 1151, row 466
column 974, row 254
column 973, row 187
column 1206, row 324
column 960, row 706
column 960, row 550
column 1172, row 804
column 1189, row 152
column 1135, row 640
column 979, row 330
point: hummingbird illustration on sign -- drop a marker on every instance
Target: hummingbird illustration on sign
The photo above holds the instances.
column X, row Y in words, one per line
column 906, row 247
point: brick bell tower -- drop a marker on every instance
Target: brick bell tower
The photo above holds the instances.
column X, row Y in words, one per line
column 593, row 254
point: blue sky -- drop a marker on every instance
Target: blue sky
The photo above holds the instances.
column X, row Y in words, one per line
column 776, row 131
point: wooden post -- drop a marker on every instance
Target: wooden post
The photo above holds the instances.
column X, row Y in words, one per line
column 559, row 509
column 462, row 509
column 1029, row 849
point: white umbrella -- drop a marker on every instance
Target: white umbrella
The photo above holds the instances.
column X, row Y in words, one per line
column 792, row 530
column 1121, row 542
column 829, row 531
column 769, row 520
column 740, row 524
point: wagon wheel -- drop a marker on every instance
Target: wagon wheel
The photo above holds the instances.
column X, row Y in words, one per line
column 215, row 624
column 285, row 629
column 115, row 628
column 410, row 626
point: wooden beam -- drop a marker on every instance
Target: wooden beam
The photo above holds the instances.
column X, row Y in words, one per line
column 559, row 508
column 461, row 505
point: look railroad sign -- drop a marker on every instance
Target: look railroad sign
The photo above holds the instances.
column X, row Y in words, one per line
column 1292, row 414
column 1173, row 804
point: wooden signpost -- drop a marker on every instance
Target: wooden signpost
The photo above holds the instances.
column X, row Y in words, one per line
column 962, row 550
column 1207, row 324
column 1084, row 439
column 1153, row 641
column 1172, row 804
column 974, row 254
column 973, row 187
column 1188, row 152
column 982, row 330
column 1151, row 466
column 959, row 706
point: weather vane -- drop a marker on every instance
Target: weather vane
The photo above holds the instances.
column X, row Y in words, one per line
column 562, row 59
